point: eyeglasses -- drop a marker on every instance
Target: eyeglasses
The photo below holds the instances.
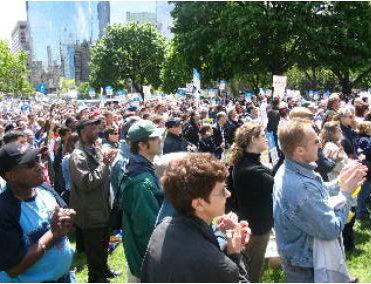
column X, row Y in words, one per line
column 222, row 193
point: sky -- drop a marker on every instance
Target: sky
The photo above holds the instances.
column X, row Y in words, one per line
column 11, row 11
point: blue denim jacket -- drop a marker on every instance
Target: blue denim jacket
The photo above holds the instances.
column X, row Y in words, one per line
column 301, row 212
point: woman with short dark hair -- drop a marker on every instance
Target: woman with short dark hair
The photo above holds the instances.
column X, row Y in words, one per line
column 183, row 248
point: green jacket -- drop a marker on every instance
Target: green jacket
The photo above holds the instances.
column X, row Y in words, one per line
column 141, row 202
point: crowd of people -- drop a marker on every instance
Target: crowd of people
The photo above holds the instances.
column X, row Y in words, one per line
column 192, row 185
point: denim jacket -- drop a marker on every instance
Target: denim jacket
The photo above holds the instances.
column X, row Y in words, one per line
column 302, row 212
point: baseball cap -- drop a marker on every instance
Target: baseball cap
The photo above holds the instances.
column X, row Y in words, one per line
column 14, row 154
column 128, row 122
column 173, row 122
column 82, row 123
column 144, row 129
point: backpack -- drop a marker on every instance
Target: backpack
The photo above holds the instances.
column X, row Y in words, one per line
column 231, row 204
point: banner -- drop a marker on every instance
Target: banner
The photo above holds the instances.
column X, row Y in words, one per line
column 222, row 85
column 196, row 80
column 279, row 85
column 272, row 148
column 147, row 92
column 109, row 90
column 248, row 96
column 91, row 92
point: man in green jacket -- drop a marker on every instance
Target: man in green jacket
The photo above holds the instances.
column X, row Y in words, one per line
column 141, row 193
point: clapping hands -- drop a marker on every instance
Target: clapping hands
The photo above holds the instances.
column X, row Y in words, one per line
column 237, row 233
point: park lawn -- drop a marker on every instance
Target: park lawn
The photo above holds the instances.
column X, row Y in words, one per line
column 359, row 261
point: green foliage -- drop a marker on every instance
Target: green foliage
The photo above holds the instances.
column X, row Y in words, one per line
column 339, row 39
column 127, row 54
column 176, row 72
column 310, row 79
column 232, row 40
column 83, row 90
column 14, row 72
column 66, row 85
column 228, row 39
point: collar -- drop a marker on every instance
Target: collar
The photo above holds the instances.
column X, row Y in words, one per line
column 138, row 158
column 252, row 156
column 302, row 169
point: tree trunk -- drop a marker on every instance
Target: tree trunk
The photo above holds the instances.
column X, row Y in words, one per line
column 138, row 88
column 346, row 85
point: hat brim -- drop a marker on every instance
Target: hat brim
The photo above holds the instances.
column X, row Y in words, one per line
column 30, row 155
column 158, row 132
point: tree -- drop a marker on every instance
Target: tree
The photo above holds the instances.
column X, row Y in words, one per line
column 66, row 85
column 176, row 72
column 228, row 39
column 340, row 40
column 14, row 72
column 133, row 52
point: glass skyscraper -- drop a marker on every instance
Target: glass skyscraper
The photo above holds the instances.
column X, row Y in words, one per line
column 59, row 29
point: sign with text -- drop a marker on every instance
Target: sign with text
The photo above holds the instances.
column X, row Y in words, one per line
column 279, row 85
column 272, row 148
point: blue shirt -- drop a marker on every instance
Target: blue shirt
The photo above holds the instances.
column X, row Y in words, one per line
column 301, row 212
column 66, row 172
column 22, row 223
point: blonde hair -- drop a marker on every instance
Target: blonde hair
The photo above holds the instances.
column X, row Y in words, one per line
column 364, row 127
column 243, row 138
column 293, row 134
column 301, row 112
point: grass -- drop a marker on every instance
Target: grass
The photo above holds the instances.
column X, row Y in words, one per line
column 116, row 261
column 358, row 261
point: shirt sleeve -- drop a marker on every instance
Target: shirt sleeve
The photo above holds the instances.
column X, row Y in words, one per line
column 12, row 246
column 317, row 218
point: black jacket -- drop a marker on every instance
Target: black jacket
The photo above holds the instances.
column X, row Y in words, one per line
column 184, row 249
column 273, row 120
column 230, row 130
column 349, row 141
column 218, row 134
column 190, row 132
column 208, row 145
column 174, row 143
column 253, row 187
column 324, row 165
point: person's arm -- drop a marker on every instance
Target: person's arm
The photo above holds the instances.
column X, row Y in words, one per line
column 62, row 222
column 257, row 176
column 34, row 253
column 82, row 175
column 325, row 165
column 145, row 208
column 332, row 187
column 316, row 217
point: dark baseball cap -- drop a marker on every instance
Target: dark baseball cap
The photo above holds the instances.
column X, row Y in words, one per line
column 173, row 122
column 14, row 154
column 82, row 123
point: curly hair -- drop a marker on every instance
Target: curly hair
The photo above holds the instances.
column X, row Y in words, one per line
column 243, row 138
column 193, row 176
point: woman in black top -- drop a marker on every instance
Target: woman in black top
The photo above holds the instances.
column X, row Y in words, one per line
column 253, row 186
